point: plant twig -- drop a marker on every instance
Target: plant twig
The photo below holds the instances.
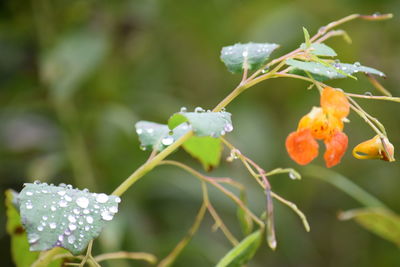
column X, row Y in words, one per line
column 169, row 260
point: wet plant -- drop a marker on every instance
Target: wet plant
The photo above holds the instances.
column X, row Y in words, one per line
column 61, row 222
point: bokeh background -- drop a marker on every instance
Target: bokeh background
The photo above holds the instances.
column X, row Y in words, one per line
column 76, row 75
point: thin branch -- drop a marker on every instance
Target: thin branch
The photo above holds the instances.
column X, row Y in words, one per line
column 169, row 260
column 385, row 98
column 215, row 184
column 218, row 221
column 150, row 258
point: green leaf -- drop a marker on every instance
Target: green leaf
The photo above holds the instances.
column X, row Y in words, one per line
column 319, row 49
column 158, row 136
column 379, row 221
column 71, row 61
column 60, row 216
column 342, row 183
column 245, row 221
column 206, row 149
column 214, row 124
column 306, row 38
column 21, row 255
column 324, row 72
column 250, row 55
column 243, row 252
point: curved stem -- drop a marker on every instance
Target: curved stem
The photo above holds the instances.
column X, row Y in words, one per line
column 149, row 165
column 215, row 184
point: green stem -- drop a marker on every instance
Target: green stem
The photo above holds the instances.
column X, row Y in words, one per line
column 169, row 260
column 149, row 165
column 46, row 257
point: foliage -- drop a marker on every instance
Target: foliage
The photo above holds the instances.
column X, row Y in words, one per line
column 79, row 216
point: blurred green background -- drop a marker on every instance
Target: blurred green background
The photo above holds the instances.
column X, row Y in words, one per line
column 76, row 75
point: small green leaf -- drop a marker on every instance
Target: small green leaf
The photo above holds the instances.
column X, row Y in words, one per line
column 325, row 72
column 158, row 136
column 319, row 50
column 60, row 216
column 206, row 149
column 306, row 38
column 68, row 64
column 214, row 124
column 252, row 55
column 245, row 221
column 379, row 221
column 21, row 255
column 243, row 252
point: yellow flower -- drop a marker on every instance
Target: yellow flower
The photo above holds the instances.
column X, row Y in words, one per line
column 375, row 148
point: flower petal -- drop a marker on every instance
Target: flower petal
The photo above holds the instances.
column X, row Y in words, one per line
column 301, row 146
column 375, row 149
column 321, row 124
column 335, row 148
column 335, row 102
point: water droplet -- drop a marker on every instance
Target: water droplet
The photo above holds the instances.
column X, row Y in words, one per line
column 85, row 190
column 69, row 186
column 82, row 202
column 113, row 209
column 62, row 185
column 292, row 175
column 36, row 182
column 183, row 109
column 72, row 226
column 166, row 141
column 52, row 225
column 71, row 218
column 117, row 199
column 86, row 211
column 63, row 203
column 228, row 127
column 33, row 238
column 40, row 228
column 376, row 14
column 71, row 239
column 263, row 71
column 76, row 211
column 89, row 219
column 53, row 208
column 368, row 93
column 61, row 193
column 102, row 198
column 87, row 228
column 198, row 109
column 150, row 130
column 68, row 198
column 245, row 53
column 357, row 64
column 29, row 206
column 222, row 132
column 29, row 193
column 106, row 215
column 61, row 238
column 45, row 218
column 143, row 148
column 139, row 131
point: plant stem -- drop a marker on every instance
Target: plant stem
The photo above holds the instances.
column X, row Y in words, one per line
column 169, row 260
column 217, row 185
column 127, row 255
column 149, row 165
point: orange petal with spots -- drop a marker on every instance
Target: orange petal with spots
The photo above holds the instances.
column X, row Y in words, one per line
column 322, row 125
column 335, row 148
column 335, row 102
column 301, row 146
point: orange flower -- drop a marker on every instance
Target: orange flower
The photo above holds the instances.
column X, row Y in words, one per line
column 321, row 123
column 375, row 148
